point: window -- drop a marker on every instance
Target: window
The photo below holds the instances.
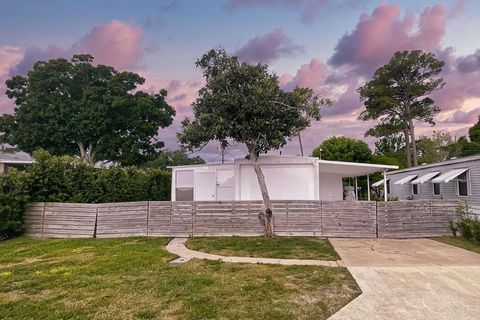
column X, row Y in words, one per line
column 415, row 188
column 462, row 182
column 388, row 186
column 436, row 189
column 184, row 185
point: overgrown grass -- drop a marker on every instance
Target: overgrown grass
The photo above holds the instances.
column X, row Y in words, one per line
column 262, row 247
column 131, row 278
column 461, row 242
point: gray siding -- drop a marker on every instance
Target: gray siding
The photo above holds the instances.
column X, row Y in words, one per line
column 448, row 191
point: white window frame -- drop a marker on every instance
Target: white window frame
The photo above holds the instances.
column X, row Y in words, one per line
column 469, row 187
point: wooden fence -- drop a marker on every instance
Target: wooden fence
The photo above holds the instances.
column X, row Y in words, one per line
column 396, row 219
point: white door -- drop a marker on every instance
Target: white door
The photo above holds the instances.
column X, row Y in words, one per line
column 205, row 186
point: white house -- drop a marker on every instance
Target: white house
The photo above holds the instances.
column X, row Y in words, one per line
column 287, row 178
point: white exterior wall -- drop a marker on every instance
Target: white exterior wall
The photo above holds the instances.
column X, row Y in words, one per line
column 284, row 182
column 331, row 187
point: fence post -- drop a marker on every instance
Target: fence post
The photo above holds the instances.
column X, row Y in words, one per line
column 43, row 218
column 96, row 221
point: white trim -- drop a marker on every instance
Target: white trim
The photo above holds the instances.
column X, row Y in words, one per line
column 378, row 183
column 406, row 179
column 468, row 185
column 426, row 177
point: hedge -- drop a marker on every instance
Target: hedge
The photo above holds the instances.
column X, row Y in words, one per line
column 68, row 179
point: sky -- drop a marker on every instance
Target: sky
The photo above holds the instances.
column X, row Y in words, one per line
column 331, row 46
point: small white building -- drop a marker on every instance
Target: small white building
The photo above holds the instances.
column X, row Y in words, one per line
column 16, row 160
column 287, row 178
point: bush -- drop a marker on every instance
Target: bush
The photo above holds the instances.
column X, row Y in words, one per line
column 467, row 225
column 68, row 179
column 13, row 198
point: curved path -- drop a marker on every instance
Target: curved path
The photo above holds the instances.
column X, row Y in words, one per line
column 177, row 246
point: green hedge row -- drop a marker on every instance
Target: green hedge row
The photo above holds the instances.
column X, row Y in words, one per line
column 467, row 225
column 67, row 179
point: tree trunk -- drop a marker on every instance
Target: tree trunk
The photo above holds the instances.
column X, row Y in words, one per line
column 87, row 154
column 407, row 148
column 300, row 142
column 266, row 216
column 414, row 144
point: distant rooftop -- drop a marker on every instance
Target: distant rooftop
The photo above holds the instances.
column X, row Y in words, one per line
column 439, row 164
column 15, row 157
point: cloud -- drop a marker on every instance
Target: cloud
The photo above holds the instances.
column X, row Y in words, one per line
column 115, row 43
column 9, row 57
column 468, row 117
column 470, row 63
column 268, row 47
column 377, row 36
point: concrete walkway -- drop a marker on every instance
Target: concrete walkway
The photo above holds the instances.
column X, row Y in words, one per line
column 410, row 279
column 177, row 246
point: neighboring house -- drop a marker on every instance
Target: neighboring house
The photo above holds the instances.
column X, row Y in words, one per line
column 287, row 178
column 14, row 160
column 457, row 179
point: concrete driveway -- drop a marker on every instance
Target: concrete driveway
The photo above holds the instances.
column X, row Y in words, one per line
column 410, row 279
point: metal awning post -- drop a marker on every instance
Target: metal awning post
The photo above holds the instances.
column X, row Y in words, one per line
column 368, row 187
column 385, row 196
column 356, row 189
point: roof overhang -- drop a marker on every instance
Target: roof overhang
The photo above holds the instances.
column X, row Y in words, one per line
column 379, row 183
column 352, row 169
column 17, row 161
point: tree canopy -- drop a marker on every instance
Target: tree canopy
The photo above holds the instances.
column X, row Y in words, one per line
column 399, row 93
column 173, row 158
column 77, row 108
column 243, row 103
column 343, row 149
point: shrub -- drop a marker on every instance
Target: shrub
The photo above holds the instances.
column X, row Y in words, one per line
column 68, row 179
column 13, row 198
column 467, row 225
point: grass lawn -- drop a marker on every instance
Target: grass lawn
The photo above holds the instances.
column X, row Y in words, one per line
column 261, row 247
column 131, row 278
column 461, row 242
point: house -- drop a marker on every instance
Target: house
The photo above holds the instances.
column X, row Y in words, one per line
column 13, row 160
column 287, row 178
column 455, row 179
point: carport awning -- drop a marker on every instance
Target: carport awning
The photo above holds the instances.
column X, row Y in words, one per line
column 426, row 177
column 406, row 179
column 449, row 176
column 379, row 183
column 352, row 169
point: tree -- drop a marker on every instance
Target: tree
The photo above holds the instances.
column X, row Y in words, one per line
column 243, row 103
column 474, row 132
column 173, row 158
column 435, row 149
column 399, row 93
column 343, row 149
column 76, row 108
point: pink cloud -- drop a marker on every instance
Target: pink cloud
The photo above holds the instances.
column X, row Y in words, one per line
column 116, row 43
column 310, row 75
column 377, row 36
column 9, row 57
column 465, row 117
column 268, row 47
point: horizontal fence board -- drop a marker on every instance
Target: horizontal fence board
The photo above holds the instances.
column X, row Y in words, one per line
column 396, row 219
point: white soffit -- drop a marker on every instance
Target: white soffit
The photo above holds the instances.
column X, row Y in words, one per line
column 406, row 179
column 379, row 183
column 449, row 175
column 426, row 177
